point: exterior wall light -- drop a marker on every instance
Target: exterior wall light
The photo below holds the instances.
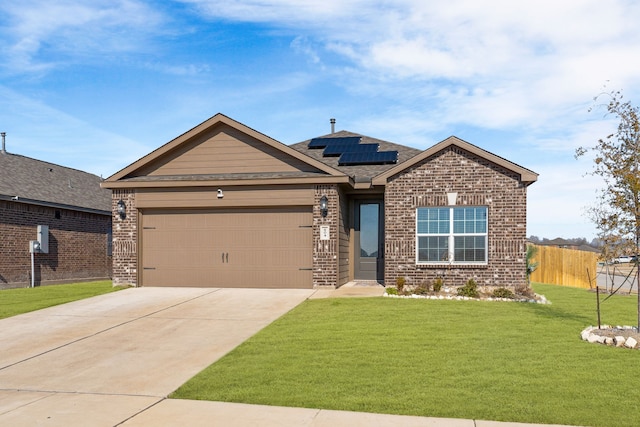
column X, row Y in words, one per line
column 220, row 193
column 122, row 209
column 324, row 206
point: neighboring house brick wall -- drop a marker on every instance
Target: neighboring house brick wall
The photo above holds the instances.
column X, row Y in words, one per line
column 325, row 252
column 78, row 245
column 125, row 239
column 478, row 183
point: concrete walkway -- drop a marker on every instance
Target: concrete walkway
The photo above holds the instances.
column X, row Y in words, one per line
column 112, row 360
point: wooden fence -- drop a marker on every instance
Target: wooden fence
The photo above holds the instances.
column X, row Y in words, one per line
column 565, row 267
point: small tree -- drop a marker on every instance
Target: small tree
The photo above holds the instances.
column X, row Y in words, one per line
column 617, row 161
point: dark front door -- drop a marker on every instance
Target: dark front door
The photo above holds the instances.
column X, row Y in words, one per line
column 369, row 240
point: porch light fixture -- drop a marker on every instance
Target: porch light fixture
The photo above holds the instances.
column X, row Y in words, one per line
column 122, row 209
column 324, row 206
column 220, row 193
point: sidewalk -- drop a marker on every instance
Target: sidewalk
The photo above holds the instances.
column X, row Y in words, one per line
column 200, row 414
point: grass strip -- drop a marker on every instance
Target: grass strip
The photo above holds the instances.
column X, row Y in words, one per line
column 516, row 362
column 24, row 300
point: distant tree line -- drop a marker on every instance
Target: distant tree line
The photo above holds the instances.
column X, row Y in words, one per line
column 576, row 241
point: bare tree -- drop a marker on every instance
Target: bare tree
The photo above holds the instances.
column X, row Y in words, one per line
column 617, row 161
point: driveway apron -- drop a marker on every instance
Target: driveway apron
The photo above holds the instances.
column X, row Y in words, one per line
column 103, row 360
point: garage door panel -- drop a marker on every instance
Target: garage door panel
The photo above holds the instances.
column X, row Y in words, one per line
column 225, row 248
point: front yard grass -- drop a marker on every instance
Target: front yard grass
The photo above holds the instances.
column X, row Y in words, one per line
column 517, row 362
column 24, row 300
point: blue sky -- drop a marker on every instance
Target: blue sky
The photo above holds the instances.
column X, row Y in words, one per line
column 96, row 84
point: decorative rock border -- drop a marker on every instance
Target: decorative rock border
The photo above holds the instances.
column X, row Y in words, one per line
column 603, row 336
column 539, row 299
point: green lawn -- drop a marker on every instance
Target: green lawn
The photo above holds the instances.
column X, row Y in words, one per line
column 516, row 362
column 24, row 300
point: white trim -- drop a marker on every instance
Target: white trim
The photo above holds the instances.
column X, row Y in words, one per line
column 451, row 238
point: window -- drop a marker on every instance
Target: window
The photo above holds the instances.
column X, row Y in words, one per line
column 452, row 235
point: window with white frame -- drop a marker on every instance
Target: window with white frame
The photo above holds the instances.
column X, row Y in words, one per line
column 456, row 235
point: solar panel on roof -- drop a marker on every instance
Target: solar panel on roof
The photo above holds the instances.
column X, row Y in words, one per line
column 377, row 158
column 323, row 142
column 339, row 148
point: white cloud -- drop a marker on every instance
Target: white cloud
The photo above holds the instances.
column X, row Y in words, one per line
column 517, row 62
column 37, row 31
column 304, row 46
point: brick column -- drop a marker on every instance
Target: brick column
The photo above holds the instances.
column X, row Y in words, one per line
column 325, row 252
column 125, row 239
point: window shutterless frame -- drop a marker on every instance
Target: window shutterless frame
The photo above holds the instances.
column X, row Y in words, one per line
column 452, row 235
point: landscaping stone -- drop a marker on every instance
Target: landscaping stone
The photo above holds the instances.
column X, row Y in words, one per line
column 619, row 336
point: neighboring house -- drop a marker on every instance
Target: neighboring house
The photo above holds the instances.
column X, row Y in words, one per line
column 226, row 206
column 71, row 204
column 568, row 244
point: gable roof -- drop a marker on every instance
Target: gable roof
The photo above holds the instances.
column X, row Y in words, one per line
column 32, row 181
column 135, row 175
column 359, row 173
column 526, row 176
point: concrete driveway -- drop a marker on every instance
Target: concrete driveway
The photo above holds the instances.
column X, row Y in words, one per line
column 102, row 360
column 111, row 361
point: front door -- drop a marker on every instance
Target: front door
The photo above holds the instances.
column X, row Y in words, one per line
column 369, row 240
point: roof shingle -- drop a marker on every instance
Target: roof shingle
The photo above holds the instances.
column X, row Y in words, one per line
column 40, row 181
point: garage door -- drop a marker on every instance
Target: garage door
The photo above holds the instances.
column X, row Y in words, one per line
column 265, row 248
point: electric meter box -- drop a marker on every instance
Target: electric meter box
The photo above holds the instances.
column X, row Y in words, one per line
column 43, row 238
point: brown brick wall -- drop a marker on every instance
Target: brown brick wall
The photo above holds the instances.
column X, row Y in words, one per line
column 125, row 239
column 78, row 245
column 325, row 252
column 478, row 183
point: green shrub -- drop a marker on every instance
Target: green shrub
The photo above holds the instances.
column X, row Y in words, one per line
column 525, row 291
column 437, row 285
column 391, row 291
column 400, row 283
column 470, row 289
column 421, row 289
column 503, row 293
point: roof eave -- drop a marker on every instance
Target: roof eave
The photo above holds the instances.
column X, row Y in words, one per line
column 18, row 199
column 527, row 177
column 207, row 124
column 343, row 179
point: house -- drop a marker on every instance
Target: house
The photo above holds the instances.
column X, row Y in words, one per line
column 71, row 208
column 226, row 206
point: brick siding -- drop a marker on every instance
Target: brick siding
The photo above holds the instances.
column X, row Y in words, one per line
column 78, row 245
column 477, row 182
column 325, row 252
column 125, row 239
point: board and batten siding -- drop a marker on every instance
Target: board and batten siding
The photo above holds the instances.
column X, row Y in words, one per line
column 343, row 239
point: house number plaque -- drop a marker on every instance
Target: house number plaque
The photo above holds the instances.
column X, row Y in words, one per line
column 324, row 232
